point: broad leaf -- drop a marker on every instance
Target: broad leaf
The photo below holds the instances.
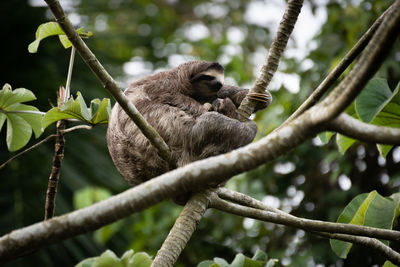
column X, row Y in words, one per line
column 390, row 117
column 18, row 132
column 21, row 118
column 50, row 29
column 108, row 258
column 259, row 260
column 369, row 210
column 372, row 99
column 97, row 113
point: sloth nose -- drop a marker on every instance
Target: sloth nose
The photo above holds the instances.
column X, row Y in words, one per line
column 216, row 85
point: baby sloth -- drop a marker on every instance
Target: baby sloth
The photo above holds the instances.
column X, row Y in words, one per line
column 193, row 111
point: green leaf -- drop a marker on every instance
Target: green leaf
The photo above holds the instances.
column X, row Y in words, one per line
column 43, row 31
column 9, row 97
column 50, row 29
column 34, row 120
column 369, row 210
column 384, row 149
column 98, row 113
column 325, row 137
column 260, row 255
column 389, row 264
column 102, row 114
column 372, row 99
column 18, row 132
column 108, row 258
column 238, row 261
column 344, row 143
column 140, row 259
column 390, row 117
column 352, row 214
column 19, row 124
column 207, row 263
column 2, row 120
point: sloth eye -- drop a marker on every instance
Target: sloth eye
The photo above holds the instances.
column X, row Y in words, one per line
column 206, row 77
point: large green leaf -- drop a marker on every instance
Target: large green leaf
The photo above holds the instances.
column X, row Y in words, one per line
column 21, row 118
column 369, row 210
column 98, row 112
column 108, row 258
column 18, row 132
column 260, row 259
column 372, row 99
column 50, row 29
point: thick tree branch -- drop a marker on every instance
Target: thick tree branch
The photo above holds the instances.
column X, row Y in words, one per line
column 107, row 81
column 182, row 230
column 268, row 70
column 359, row 130
column 364, row 69
column 262, row 212
column 338, row 70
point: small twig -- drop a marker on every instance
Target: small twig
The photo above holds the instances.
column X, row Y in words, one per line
column 359, row 130
column 87, row 127
column 27, row 150
column 44, row 141
column 278, row 45
column 55, row 171
column 338, row 70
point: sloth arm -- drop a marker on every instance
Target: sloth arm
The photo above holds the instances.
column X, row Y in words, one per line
column 237, row 94
column 214, row 133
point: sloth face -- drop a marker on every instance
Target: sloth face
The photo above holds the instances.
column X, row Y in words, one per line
column 206, row 84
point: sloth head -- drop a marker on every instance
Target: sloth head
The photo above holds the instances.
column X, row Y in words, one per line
column 202, row 79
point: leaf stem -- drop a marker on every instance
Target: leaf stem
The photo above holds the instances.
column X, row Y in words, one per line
column 23, row 111
column 70, row 68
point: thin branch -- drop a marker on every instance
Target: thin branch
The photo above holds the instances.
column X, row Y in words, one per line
column 182, row 230
column 245, row 200
column 278, row 45
column 107, row 81
column 305, row 224
column 338, row 70
column 27, row 150
column 87, row 127
column 373, row 243
column 359, row 130
column 55, row 171
column 364, row 69
column 44, row 141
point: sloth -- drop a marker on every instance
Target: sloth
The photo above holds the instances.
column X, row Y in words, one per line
column 192, row 110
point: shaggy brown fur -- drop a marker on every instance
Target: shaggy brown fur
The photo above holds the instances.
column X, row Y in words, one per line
column 192, row 128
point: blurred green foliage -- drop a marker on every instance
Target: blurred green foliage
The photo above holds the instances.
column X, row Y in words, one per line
column 135, row 38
